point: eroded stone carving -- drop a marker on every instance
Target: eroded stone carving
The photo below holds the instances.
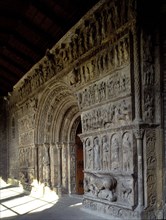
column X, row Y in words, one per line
column 96, row 152
column 115, row 113
column 46, row 165
column 127, row 152
column 89, row 154
column 115, row 152
column 151, row 178
column 101, row 186
column 148, row 78
column 26, row 156
column 106, row 153
column 115, row 86
column 26, row 178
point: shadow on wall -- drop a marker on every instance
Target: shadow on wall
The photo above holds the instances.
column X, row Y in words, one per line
column 3, row 140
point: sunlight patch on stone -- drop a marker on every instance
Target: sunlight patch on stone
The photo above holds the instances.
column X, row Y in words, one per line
column 77, row 204
column 3, row 183
column 7, row 213
column 18, row 201
column 25, row 208
column 8, row 194
column 42, row 208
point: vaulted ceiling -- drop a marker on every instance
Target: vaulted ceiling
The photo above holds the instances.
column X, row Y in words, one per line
column 28, row 28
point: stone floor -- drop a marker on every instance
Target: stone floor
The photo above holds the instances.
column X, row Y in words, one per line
column 15, row 204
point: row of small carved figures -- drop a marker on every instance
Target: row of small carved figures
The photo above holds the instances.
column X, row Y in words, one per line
column 104, row 90
column 107, row 116
column 114, row 56
column 94, row 29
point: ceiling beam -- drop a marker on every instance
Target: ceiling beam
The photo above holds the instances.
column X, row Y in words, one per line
column 8, row 67
column 12, row 62
column 5, row 83
column 8, row 74
column 11, row 67
column 22, row 20
column 19, row 53
column 43, row 7
column 20, row 37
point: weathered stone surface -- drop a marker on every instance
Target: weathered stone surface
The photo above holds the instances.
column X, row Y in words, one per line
column 101, row 74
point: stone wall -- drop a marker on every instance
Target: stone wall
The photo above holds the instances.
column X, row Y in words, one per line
column 106, row 70
column 3, row 140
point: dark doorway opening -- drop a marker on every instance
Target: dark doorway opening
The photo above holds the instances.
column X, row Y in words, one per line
column 79, row 162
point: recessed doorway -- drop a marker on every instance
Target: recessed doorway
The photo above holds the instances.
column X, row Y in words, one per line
column 79, row 162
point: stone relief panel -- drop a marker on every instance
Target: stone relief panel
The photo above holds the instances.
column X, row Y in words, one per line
column 106, row 152
column 64, row 166
column 26, row 177
column 125, row 191
column 27, row 151
column 150, row 168
column 148, row 78
column 96, row 153
column 115, row 55
column 26, row 138
column 117, row 113
column 127, row 152
column 46, row 165
column 110, row 210
column 115, row 145
column 88, row 154
column 110, row 152
column 100, row 186
column 73, row 167
column 99, row 27
column 117, row 85
column 26, row 123
column 26, row 156
column 109, row 156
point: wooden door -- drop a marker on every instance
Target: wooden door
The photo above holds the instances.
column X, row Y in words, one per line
column 79, row 167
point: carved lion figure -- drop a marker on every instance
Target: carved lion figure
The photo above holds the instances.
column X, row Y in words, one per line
column 100, row 185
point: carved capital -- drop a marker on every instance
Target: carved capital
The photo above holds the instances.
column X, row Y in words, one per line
column 139, row 133
column 47, row 145
column 59, row 146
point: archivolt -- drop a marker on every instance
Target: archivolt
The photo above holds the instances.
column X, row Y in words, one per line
column 56, row 109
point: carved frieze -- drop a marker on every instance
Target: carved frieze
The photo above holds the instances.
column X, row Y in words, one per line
column 26, row 156
column 108, row 116
column 108, row 60
column 46, row 165
column 90, row 33
column 127, row 145
column 73, row 167
column 151, row 164
column 112, row 211
column 100, row 186
column 26, row 123
column 116, row 85
column 148, row 78
column 26, row 138
column 110, row 152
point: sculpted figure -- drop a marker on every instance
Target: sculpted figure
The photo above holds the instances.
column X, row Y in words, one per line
column 127, row 155
column 46, row 166
column 101, row 186
column 96, row 148
column 105, row 152
column 114, row 152
column 89, row 154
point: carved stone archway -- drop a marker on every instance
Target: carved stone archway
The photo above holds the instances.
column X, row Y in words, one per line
column 58, row 110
